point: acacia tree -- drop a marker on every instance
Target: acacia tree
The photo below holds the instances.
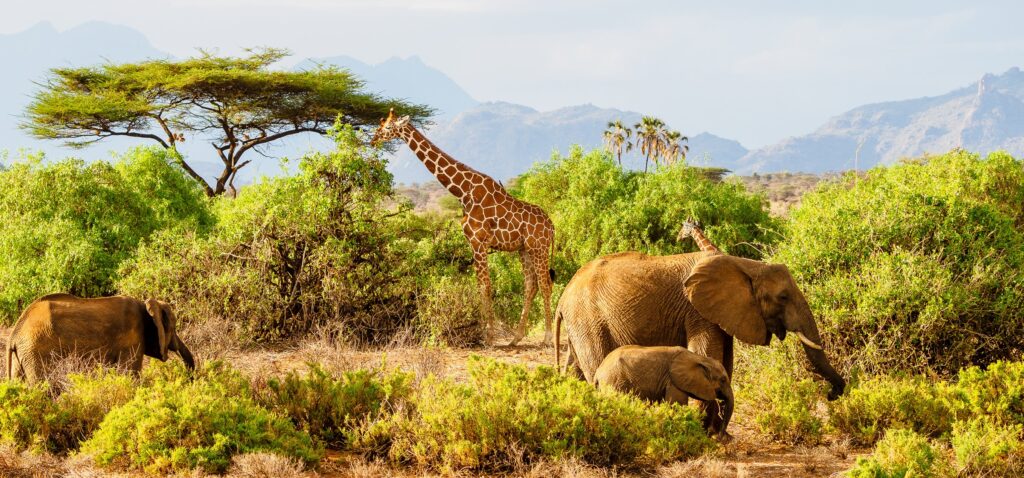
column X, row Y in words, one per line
column 237, row 103
column 617, row 139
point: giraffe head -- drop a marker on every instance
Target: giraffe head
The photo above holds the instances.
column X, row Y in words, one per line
column 687, row 230
column 389, row 129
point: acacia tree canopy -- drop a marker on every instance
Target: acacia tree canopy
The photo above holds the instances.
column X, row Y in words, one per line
column 238, row 103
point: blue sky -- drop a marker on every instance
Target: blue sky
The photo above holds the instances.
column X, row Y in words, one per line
column 745, row 70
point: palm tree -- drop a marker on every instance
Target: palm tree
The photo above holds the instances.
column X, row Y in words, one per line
column 616, row 137
column 649, row 134
column 674, row 148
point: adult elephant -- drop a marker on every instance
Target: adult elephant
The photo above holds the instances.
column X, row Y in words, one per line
column 114, row 330
column 700, row 300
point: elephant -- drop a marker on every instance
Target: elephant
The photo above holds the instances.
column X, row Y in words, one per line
column 700, row 300
column 671, row 374
column 115, row 330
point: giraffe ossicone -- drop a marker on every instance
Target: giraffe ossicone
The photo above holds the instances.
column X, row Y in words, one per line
column 493, row 220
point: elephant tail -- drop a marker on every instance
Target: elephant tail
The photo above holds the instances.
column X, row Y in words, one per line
column 12, row 352
column 558, row 339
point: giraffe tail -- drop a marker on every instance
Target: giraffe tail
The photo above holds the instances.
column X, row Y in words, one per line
column 551, row 256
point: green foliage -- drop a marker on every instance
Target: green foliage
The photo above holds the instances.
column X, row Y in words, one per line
column 984, row 448
column 67, row 226
column 81, row 406
column 332, row 408
column 902, row 454
column 176, row 422
column 996, row 392
column 599, row 208
column 875, row 405
column 292, row 253
column 241, row 102
column 506, row 413
column 780, row 395
column 24, row 414
column 917, row 266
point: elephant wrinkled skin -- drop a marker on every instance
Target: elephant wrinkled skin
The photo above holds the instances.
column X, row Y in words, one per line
column 114, row 330
column 699, row 300
column 672, row 374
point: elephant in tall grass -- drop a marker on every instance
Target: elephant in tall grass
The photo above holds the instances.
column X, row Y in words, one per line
column 670, row 374
column 114, row 330
column 699, row 300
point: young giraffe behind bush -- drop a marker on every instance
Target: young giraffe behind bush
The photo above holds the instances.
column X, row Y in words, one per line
column 692, row 229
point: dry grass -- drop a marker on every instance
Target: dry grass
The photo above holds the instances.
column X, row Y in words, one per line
column 265, row 465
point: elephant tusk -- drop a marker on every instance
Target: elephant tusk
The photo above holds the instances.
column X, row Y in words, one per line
column 808, row 342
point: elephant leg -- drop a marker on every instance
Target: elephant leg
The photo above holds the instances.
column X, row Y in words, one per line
column 727, row 355
column 572, row 364
column 529, row 292
column 710, row 341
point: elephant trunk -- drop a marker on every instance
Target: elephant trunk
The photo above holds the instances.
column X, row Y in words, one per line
column 820, row 364
column 726, row 404
column 184, row 353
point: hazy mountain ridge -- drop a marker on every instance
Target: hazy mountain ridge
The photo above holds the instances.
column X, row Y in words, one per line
column 984, row 117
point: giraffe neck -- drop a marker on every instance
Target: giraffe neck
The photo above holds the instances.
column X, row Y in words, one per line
column 703, row 242
column 441, row 165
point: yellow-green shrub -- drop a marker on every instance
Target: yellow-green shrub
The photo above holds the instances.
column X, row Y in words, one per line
column 330, row 408
column 874, row 405
column 25, row 412
column 902, row 454
column 176, row 422
column 773, row 386
column 996, row 391
column 507, row 414
column 985, row 448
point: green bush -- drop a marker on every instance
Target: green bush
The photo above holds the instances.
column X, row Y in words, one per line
column 332, row 408
column 599, row 208
column 902, row 453
column 877, row 404
column 918, row 266
column 67, row 226
column 81, row 406
column 25, row 414
column 176, row 422
column 773, row 387
column 983, row 448
column 448, row 312
column 292, row 254
column 507, row 414
column 996, row 392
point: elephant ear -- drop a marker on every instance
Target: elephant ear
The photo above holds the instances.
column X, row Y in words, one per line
column 721, row 290
column 156, row 320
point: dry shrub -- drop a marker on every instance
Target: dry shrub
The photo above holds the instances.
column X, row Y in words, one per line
column 265, row 465
column 448, row 313
column 703, row 467
column 24, row 464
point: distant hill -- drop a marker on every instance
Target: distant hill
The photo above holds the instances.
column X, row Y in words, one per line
column 407, row 78
column 985, row 116
column 28, row 55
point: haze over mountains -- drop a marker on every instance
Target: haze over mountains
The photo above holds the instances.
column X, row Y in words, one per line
column 505, row 139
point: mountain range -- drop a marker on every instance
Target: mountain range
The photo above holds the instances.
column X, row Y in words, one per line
column 505, row 139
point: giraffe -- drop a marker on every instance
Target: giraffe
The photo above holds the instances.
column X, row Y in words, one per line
column 692, row 228
column 492, row 220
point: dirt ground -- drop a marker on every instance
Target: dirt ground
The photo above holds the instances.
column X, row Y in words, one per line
column 749, row 454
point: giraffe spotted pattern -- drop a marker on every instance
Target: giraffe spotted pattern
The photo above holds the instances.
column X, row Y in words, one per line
column 492, row 220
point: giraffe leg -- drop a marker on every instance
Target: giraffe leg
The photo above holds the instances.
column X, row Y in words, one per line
column 541, row 270
column 529, row 292
column 483, row 280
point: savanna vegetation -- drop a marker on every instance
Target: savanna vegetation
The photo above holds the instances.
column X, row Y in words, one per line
column 913, row 271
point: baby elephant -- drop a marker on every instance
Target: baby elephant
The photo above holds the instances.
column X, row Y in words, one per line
column 115, row 330
column 668, row 373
